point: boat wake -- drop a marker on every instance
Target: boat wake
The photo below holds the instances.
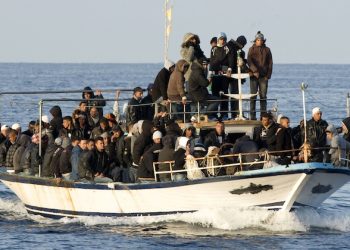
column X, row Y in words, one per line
column 236, row 219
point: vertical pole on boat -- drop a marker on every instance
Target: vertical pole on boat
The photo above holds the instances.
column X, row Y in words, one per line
column 40, row 124
column 348, row 105
column 184, row 113
column 303, row 88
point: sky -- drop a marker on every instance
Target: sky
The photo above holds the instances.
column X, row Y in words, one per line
column 126, row 31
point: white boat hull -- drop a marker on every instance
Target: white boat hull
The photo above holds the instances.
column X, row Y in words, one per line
column 276, row 188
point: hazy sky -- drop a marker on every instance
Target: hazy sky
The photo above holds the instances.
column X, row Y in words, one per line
column 298, row 31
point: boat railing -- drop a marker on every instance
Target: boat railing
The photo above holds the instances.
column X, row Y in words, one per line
column 237, row 161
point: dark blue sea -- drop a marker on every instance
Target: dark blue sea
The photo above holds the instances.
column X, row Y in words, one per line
column 325, row 228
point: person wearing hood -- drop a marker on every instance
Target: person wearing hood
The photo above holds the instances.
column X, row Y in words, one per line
column 134, row 111
column 160, row 85
column 23, row 141
column 166, row 154
column 56, row 121
column 148, row 107
column 221, row 65
column 316, row 135
column 339, row 147
column 65, row 166
column 93, row 100
column 197, row 88
column 191, row 51
column 260, row 64
column 180, row 154
column 151, row 155
column 176, row 88
column 238, row 54
column 47, row 160
column 265, row 134
column 346, row 128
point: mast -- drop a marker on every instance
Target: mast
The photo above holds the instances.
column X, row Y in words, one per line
column 168, row 25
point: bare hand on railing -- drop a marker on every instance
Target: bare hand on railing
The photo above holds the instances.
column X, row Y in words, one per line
column 98, row 92
column 184, row 100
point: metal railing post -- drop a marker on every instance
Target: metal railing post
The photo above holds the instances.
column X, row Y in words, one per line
column 40, row 124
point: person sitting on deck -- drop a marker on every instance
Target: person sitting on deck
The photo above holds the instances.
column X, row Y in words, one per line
column 48, row 157
column 217, row 137
column 244, row 145
column 346, row 128
column 265, row 134
column 56, row 121
column 102, row 128
column 65, row 166
column 12, row 149
column 93, row 100
column 4, row 143
column 134, row 112
column 83, row 129
column 151, row 155
column 68, row 129
column 180, row 154
column 80, row 145
column 166, row 155
column 284, row 142
column 85, row 171
column 30, row 159
column 30, row 131
column 93, row 118
column 316, row 135
column 339, row 146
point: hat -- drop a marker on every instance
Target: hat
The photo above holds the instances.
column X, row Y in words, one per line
column 168, row 64
column 316, row 110
column 157, row 135
column 182, row 142
column 260, row 36
column 214, row 40
column 150, row 86
column 3, row 127
column 188, row 36
column 241, row 40
column 16, row 126
column 346, row 122
column 58, row 141
column 222, row 35
column 331, row 129
column 45, row 119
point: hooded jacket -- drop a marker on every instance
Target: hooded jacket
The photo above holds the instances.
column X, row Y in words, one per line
column 143, row 141
column 176, row 89
column 151, row 155
column 160, row 85
column 56, row 122
column 260, row 60
column 197, row 84
column 91, row 102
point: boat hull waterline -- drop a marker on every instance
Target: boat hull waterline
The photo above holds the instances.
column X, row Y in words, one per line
column 281, row 187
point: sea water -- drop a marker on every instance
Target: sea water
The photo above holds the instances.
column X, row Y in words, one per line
column 253, row 228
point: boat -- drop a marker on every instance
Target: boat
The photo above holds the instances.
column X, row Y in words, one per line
column 279, row 188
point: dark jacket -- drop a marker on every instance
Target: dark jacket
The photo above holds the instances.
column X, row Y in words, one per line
column 179, row 157
column 212, row 139
column 65, row 165
column 100, row 163
column 98, row 131
column 221, row 57
column 85, row 165
column 176, row 89
column 83, row 133
column 146, row 167
column 316, row 133
column 56, row 122
column 46, row 170
column 55, row 163
column 143, row 141
column 133, row 112
column 92, row 102
column 197, row 84
column 10, row 155
column 266, row 137
column 147, row 110
column 284, row 141
column 119, row 149
column 234, row 48
column 74, row 160
column 246, row 145
column 160, row 86
column 30, row 159
column 260, row 60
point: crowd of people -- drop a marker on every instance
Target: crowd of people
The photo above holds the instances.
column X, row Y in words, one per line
column 88, row 145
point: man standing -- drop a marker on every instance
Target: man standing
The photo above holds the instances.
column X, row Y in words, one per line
column 316, row 134
column 221, row 64
column 160, row 85
column 260, row 65
column 134, row 112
